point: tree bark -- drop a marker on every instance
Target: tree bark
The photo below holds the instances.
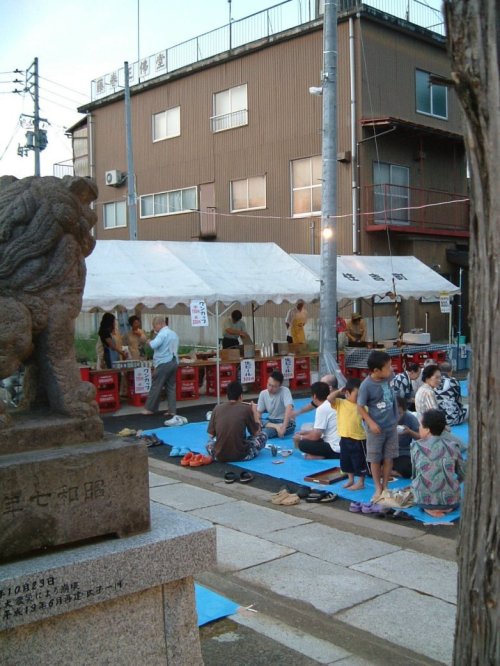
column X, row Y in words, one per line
column 473, row 41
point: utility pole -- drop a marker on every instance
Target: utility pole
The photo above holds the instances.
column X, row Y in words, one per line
column 36, row 140
column 36, row 120
column 131, row 194
column 328, row 290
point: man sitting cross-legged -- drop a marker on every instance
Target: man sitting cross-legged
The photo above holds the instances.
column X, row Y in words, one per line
column 277, row 401
column 235, row 428
column 323, row 440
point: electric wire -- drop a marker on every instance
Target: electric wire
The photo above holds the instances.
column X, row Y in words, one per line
column 62, row 86
column 16, row 128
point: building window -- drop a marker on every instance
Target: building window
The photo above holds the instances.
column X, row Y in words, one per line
column 306, row 186
column 432, row 99
column 167, row 124
column 230, row 109
column 391, row 192
column 115, row 214
column 248, row 194
column 169, row 203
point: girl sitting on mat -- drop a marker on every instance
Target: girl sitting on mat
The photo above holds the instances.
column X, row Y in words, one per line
column 438, row 466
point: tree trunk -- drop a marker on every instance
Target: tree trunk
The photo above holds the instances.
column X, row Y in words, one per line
column 473, row 40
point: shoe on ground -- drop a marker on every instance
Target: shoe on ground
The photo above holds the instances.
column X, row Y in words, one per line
column 369, row 507
column 176, row 452
column 185, row 462
column 355, row 507
column 200, row 460
column 126, row 432
column 290, row 500
column 176, row 421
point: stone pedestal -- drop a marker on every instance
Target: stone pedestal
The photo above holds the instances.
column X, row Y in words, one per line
column 53, row 497
column 124, row 601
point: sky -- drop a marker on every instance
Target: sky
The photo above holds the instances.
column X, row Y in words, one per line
column 76, row 41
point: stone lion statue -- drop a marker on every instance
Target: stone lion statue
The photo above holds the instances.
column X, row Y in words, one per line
column 45, row 226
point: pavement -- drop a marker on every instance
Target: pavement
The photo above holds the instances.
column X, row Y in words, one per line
column 315, row 583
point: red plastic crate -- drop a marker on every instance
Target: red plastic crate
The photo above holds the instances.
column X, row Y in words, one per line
column 187, row 390
column 85, row 374
column 439, row 356
column 137, row 399
column 397, row 363
column 108, row 402
column 104, row 380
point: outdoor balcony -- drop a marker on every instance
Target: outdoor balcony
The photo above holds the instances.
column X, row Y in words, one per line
column 410, row 210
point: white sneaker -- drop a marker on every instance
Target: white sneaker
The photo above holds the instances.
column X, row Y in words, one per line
column 176, row 421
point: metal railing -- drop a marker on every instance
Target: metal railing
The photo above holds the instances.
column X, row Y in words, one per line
column 260, row 25
column 229, row 120
column 413, row 11
column 421, row 210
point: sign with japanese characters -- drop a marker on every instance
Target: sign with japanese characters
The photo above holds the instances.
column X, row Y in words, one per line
column 199, row 313
column 247, row 366
column 142, row 380
column 444, row 303
column 287, row 367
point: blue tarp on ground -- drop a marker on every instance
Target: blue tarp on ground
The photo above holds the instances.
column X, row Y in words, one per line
column 211, row 606
column 294, row 468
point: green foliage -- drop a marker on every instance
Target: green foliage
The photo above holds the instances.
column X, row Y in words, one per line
column 85, row 350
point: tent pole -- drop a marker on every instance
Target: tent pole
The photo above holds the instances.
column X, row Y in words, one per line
column 373, row 319
column 217, row 367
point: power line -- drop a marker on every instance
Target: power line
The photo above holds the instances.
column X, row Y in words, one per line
column 10, row 140
column 56, row 94
column 51, row 101
column 62, row 86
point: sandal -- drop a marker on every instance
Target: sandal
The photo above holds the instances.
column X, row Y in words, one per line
column 185, row 462
column 200, row 460
column 230, row 477
column 316, row 495
column 355, row 507
column 290, row 500
column 327, row 497
column 246, row 477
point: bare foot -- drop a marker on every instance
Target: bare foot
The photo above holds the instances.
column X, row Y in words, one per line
column 348, row 484
column 146, row 412
column 358, row 486
column 309, row 456
column 376, row 495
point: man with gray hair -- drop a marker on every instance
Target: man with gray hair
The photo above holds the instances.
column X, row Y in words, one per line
column 165, row 347
column 449, row 396
column 333, row 385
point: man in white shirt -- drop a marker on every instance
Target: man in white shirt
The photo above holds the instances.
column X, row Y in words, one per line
column 277, row 401
column 165, row 347
column 323, row 440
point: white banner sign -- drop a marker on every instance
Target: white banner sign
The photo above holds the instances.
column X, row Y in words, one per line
column 199, row 314
column 287, row 367
column 142, row 380
column 247, row 366
column 444, row 303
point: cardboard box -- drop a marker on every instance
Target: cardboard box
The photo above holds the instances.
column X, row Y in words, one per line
column 230, row 355
column 297, row 347
column 247, row 351
column 280, row 348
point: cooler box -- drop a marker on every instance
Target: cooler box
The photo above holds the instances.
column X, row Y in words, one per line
column 417, row 338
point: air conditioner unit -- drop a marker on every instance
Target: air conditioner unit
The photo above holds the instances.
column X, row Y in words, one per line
column 114, row 177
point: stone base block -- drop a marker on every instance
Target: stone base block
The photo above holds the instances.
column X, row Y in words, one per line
column 35, row 430
column 70, row 494
column 124, row 601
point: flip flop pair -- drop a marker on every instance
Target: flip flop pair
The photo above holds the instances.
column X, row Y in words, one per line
column 322, row 497
column 244, row 477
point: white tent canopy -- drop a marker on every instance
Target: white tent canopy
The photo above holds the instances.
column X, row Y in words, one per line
column 126, row 273
column 364, row 277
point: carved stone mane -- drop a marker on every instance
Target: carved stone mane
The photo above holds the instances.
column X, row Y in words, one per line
column 45, row 235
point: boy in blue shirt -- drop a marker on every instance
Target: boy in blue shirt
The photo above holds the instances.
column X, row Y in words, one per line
column 378, row 408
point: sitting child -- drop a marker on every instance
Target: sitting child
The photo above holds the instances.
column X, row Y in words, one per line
column 438, row 466
column 352, row 434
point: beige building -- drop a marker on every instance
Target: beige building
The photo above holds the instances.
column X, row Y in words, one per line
column 228, row 147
